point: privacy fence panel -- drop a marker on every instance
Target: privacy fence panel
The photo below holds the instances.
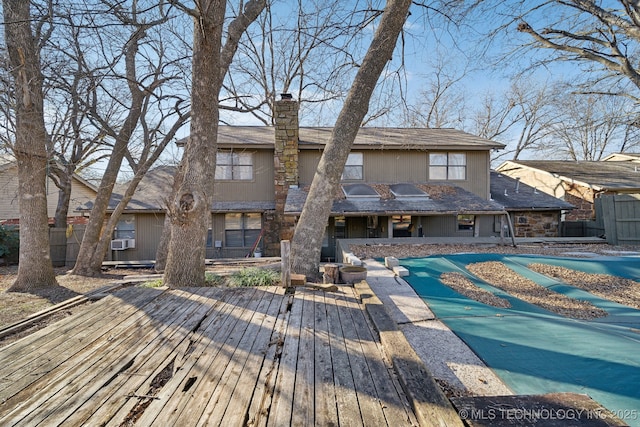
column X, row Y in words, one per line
column 621, row 216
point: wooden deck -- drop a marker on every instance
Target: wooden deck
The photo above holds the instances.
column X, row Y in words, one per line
column 205, row 356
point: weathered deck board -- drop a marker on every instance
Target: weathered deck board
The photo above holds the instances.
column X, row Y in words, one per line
column 396, row 409
column 326, row 411
column 260, row 404
column 57, row 341
column 281, row 405
column 346, row 398
column 172, row 399
column 207, row 356
column 248, row 378
column 84, row 373
column 154, row 348
column 137, row 380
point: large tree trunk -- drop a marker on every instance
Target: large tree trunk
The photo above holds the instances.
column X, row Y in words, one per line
column 162, row 252
column 190, row 210
column 181, row 214
column 89, row 250
column 307, row 239
column 35, row 269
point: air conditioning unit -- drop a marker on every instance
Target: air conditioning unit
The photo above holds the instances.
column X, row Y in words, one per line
column 119, row 244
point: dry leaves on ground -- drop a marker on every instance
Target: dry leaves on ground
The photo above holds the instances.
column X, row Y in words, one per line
column 461, row 284
column 499, row 275
column 15, row 306
column 618, row 289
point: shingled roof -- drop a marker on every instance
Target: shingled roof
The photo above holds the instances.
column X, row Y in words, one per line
column 601, row 176
column 156, row 186
column 515, row 195
column 368, row 137
column 442, row 200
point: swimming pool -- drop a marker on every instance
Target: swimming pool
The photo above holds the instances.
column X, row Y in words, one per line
column 533, row 350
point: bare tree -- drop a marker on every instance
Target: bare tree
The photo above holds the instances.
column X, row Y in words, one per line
column 306, row 50
column 442, row 102
column 139, row 93
column 164, row 110
column 73, row 143
column 522, row 117
column 606, row 38
column 23, row 45
column 307, row 239
column 591, row 126
column 190, row 208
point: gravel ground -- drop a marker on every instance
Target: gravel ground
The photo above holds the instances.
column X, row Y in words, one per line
column 623, row 291
column 422, row 250
column 499, row 275
column 614, row 288
column 461, row 284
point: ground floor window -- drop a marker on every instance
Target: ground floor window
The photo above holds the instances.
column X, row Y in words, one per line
column 402, row 226
column 126, row 227
column 466, row 222
column 242, row 229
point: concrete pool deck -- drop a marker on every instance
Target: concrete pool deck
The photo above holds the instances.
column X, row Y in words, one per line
column 447, row 357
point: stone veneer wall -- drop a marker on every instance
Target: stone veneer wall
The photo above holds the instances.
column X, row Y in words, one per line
column 277, row 227
column 536, row 224
column 582, row 198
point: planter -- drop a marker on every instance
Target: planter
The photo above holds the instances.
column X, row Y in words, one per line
column 352, row 274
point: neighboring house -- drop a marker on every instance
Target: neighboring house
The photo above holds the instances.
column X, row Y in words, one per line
column 622, row 157
column 533, row 213
column 81, row 193
column 396, row 183
column 578, row 183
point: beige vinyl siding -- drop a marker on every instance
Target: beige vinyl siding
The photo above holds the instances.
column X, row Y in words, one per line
column 148, row 232
column 541, row 181
column 307, row 164
column 393, row 166
column 80, row 195
column 260, row 188
column 9, row 203
column 439, row 226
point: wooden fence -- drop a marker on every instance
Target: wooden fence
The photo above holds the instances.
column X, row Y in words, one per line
column 621, row 217
column 65, row 244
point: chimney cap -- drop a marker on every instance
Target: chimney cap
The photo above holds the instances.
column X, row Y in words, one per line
column 286, row 96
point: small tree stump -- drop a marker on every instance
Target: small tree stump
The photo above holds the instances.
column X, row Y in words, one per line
column 331, row 273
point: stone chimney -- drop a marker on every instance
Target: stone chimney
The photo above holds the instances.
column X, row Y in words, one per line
column 285, row 160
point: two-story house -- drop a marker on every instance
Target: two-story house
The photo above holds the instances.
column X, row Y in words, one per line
column 396, row 183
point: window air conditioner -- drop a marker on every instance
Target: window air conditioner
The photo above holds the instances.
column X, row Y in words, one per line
column 119, row 244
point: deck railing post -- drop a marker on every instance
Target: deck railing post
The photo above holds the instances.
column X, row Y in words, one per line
column 285, row 256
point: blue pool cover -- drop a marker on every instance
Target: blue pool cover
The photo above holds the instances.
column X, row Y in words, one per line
column 535, row 351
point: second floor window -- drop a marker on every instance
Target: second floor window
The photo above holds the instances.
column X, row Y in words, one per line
column 447, row 166
column 354, row 168
column 233, row 166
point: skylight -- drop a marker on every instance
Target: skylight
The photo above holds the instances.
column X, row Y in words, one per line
column 407, row 192
column 360, row 192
